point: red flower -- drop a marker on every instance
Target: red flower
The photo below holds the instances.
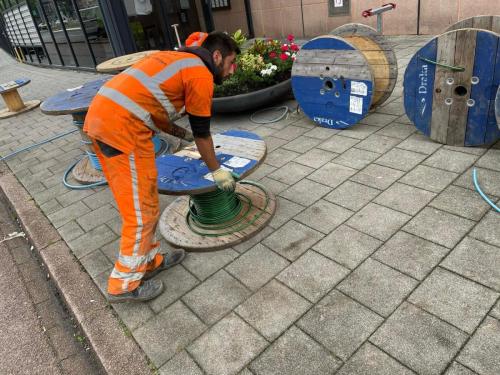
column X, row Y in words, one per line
column 294, row 47
column 290, row 37
column 283, row 56
column 272, row 55
column 284, row 47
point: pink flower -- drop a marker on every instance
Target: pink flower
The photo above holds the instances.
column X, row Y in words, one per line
column 284, row 47
column 272, row 55
column 290, row 37
column 294, row 47
column 283, row 56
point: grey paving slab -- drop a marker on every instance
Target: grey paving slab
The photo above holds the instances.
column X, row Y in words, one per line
column 73, row 196
column 356, row 158
column 272, row 185
column 181, row 364
column 419, row 340
column 295, row 353
column 227, row 347
column 98, row 199
column 216, row 296
column 280, row 157
column 452, row 161
column 290, row 132
column 338, row 144
column 377, row 176
column 460, row 201
column 332, row 174
column 257, row 266
column 177, row 281
column 371, row 360
column 263, row 171
column 315, row 158
column 458, row 369
column 378, row 221
column 359, row 131
column 305, row 192
column 312, row 275
column 66, row 214
column 377, row 286
column 410, row 254
column 477, row 261
column 352, row 195
column 272, row 309
column 302, row 144
column 378, row 143
column 419, row 143
column 133, row 314
column 168, row 332
column 476, row 150
column 378, row 119
column 291, row 173
column 97, row 217
column 91, row 241
column 405, row 198
column 454, row 299
column 340, row 324
column 286, row 210
column 321, row 133
column 439, row 226
column 70, row 231
column 347, row 246
column 392, row 108
column 487, row 229
column 481, row 352
column 395, row 130
column 403, row 160
column 324, row 216
column 252, row 241
column 490, row 160
column 96, row 263
column 292, row 240
column 429, row 178
column 205, row 264
column 488, row 180
column 495, row 312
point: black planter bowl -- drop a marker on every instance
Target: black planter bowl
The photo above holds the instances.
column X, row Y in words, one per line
column 252, row 100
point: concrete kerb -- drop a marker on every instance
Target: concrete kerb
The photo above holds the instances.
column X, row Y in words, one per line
column 115, row 348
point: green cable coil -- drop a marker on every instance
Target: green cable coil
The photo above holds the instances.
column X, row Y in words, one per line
column 219, row 210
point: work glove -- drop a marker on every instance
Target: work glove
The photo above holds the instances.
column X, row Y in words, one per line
column 224, row 179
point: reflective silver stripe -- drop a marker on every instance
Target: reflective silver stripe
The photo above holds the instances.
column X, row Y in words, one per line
column 137, row 206
column 126, row 276
column 174, row 68
column 134, row 262
column 153, row 85
column 128, row 104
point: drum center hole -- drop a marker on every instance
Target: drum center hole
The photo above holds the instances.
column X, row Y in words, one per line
column 460, row 90
column 328, row 85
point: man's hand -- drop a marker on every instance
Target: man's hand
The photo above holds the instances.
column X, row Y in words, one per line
column 224, row 179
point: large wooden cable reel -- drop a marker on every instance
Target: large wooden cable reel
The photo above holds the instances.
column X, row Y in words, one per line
column 491, row 23
column 120, row 63
column 450, row 86
column 338, row 78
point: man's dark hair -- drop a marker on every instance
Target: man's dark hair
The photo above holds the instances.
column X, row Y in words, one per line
column 217, row 40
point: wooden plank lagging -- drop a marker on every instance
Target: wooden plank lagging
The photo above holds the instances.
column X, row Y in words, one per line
column 482, row 22
column 495, row 24
column 441, row 90
column 465, row 52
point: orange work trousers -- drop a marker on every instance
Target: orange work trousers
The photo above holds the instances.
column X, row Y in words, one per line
column 132, row 180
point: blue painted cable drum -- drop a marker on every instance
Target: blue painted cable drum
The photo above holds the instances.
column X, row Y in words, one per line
column 338, row 79
column 450, row 86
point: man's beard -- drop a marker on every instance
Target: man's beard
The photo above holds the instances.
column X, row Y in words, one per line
column 219, row 77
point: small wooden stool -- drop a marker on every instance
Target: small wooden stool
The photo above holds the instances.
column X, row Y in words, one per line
column 450, row 86
column 15, row 104
column 184, row 173
column 120, row 63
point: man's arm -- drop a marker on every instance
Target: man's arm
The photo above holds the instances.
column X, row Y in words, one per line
column 206, row 149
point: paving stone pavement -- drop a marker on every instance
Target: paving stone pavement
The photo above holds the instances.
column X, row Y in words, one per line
column 381, row 258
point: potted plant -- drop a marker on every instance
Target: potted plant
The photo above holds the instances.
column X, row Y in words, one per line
column 262, row 75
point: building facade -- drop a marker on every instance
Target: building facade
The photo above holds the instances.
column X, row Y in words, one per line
column 83, row 33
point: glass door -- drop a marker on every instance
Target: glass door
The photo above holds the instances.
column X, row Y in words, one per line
column 184, row 14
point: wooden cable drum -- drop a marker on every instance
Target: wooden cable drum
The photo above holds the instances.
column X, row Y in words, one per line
column 185, row 173
column 491, row 23
column 13, row 101
column 450, row 86
column 497, row 107
column 120, row 63
column 338, row 79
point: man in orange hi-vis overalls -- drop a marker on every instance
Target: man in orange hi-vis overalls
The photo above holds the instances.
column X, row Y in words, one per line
column 127, row 111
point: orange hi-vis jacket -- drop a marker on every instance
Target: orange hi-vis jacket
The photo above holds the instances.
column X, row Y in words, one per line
column 149, row 96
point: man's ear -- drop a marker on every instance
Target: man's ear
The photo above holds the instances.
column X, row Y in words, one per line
column 217, row 57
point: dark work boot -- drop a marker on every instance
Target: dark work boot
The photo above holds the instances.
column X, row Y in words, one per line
column 147, row 290
column 169, row 260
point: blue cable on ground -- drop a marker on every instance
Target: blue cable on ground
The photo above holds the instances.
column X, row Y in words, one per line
column 476, row 185
column 80, row 187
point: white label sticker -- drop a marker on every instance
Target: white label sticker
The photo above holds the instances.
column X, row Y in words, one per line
column 338, row 3
column 209, row 176
column 74, row 88
column 359, row 88
column 237, row 162
column 356, row 105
